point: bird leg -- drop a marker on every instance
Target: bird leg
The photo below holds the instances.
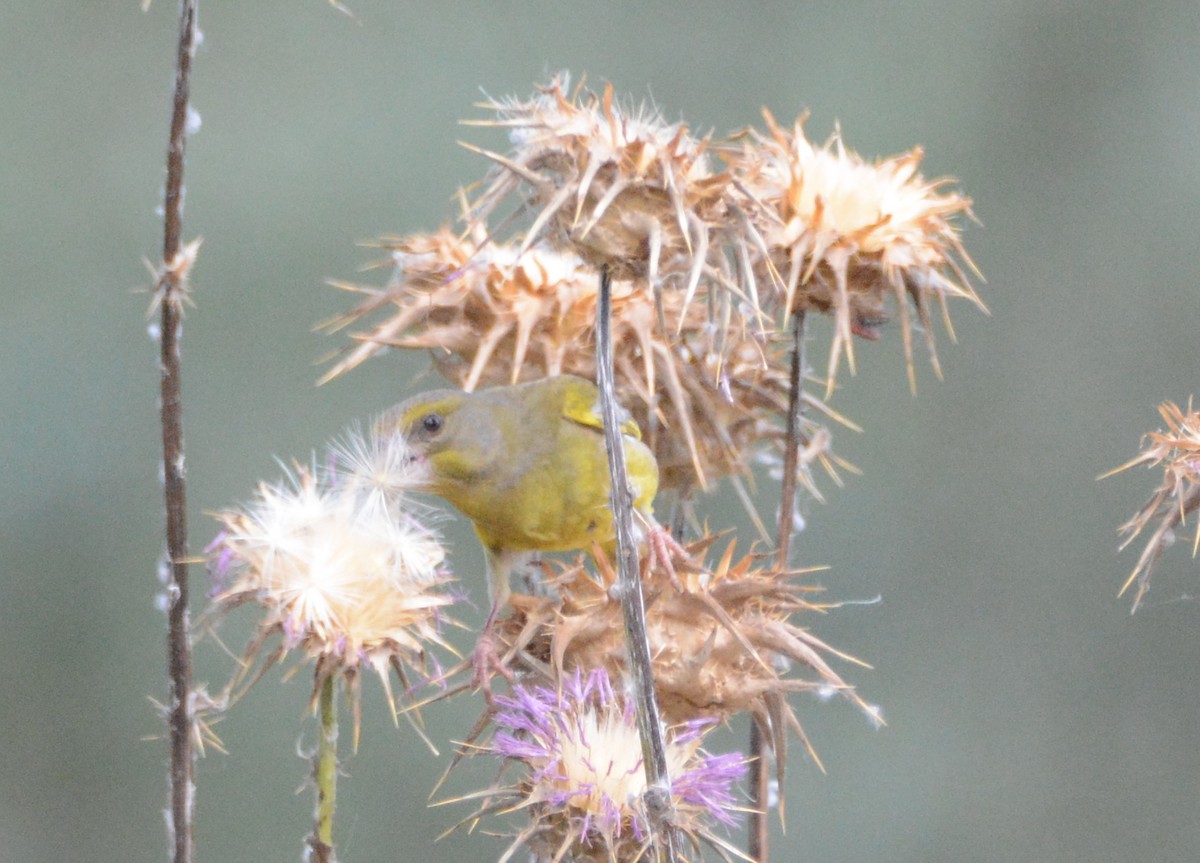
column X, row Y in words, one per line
column 486, row 660
column 663, row 549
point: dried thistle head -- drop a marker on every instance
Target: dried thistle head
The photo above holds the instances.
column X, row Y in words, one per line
column 620, row 186
column 698, row 360
column 489, row 314
column 340, row 564
column 582, row 780
column 1177, row 451
column 723, row 640
column 839, row 235
column 709, row 398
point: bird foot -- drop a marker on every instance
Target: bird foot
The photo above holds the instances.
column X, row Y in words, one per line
column 664, row 548
column 487, row 663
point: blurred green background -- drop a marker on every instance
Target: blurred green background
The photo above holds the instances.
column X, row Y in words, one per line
column 1031, row 718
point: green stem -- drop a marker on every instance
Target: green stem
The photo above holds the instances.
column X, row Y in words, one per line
column 325, row 773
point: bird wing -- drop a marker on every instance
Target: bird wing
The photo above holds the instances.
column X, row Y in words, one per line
column 581, row 405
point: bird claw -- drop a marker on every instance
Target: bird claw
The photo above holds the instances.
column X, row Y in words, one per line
column 487, row 663
column 663, row 547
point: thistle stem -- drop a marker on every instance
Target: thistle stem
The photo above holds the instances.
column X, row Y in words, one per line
column 654, row 749
column 170, row 292
column 760, row 778
column 757, row 845
column 791, row 453
column 325, row 774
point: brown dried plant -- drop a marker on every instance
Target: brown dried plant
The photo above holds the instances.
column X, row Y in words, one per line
column 709, row 399
column 723, row 640
column 1177, row 451
column 837, row 235
column 620, row 186
column 706, row 262
column 717, row 251
column 783, row 227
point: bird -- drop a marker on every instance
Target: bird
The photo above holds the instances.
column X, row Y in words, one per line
column 527, row 464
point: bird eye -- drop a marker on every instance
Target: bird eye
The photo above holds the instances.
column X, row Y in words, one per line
column 432, row 423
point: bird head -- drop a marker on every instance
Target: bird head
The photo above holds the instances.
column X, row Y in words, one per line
column 449, row 438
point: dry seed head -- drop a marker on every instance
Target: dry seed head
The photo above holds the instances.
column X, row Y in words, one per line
column 842, row 235
column 582, row 781
column 340, row 563
column 1177, row 451
column 488, row 313
column 709, row 399
column 723, row 640
column 622, row 187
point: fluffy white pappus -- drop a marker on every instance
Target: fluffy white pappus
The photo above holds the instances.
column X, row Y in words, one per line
column 375, row 473
column 333, row 541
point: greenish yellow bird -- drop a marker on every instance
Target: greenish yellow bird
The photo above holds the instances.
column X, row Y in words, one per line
column 527, row 465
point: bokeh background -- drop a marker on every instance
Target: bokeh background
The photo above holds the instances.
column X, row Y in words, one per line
column 1031, row 718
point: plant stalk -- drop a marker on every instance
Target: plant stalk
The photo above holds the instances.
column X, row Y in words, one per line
column 325, row 775
column 654, row 750
column 791, row 453
column 170, row 296
column 758, row 846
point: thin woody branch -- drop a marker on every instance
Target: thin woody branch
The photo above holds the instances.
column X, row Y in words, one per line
column 758, row 845
column 171, row 293
column 654, row 749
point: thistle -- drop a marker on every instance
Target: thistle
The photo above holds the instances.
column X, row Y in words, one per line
column 621, row 186
column 709, row 399
column 838, row 235
column 724, row 640
column 712, row 255
column 341, row 566
column 1177, row 451
column 580, row 777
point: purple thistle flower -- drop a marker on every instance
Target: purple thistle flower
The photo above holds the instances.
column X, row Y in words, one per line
column 585, row 779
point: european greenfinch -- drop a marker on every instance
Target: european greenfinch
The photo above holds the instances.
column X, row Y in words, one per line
column 527, row 464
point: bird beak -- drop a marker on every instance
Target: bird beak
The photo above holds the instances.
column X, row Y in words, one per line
column 417, row 462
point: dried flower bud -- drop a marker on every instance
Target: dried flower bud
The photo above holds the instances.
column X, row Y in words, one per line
column 840, row 235
column 622, row 187
column 723, row 641
column 1177, row 451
